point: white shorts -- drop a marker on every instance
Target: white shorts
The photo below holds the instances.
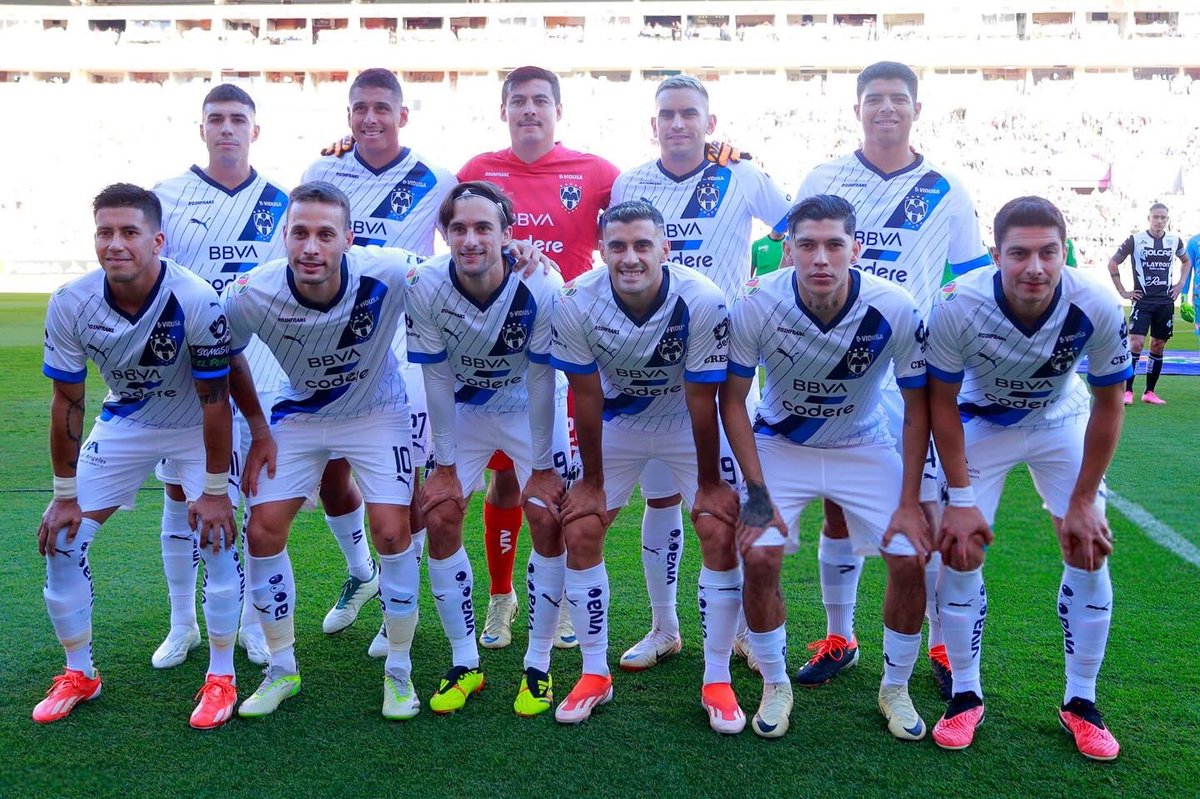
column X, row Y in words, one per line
column 1053, row 456
column 664, row 456
column 932, row 477
column 117, row 459
column 414, row 384
column 481, row 434
column 864, row 480
column 378, row 447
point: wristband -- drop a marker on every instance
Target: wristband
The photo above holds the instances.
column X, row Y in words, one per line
column 65, row 487
column 961, row 497
column 216, row 483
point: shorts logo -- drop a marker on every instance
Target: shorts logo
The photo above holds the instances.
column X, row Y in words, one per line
column 400, row 201
column 915, row 209
column 570, row 196
column 708, row 197
column 164, row 347
column 219, row 328
column 513, row 336
column 670, row 350
column 922, row 336
column 362, row 325
column 859, row 360
column 264, row 223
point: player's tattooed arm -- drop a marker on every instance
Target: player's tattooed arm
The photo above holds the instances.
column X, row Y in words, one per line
column 241, row 388
column 213, row 391
column 66, row 427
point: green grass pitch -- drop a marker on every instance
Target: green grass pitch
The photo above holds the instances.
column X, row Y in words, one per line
column 654, row 739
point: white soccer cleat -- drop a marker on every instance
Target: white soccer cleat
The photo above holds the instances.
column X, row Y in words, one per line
column 254, row 642
column 741, row 648
column 400, row 700
column 564, row 634
column 497, row 630
column 774, row 710
column 355, row 594
column 902, row 718
column 379, row 644
column 276, row 686
column 651, row 650
column 175, row 647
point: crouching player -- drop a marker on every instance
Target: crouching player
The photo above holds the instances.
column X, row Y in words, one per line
column 1003, row 344
column 154, row 330
column 644, row 344
column 827, row 334
column 482, row 336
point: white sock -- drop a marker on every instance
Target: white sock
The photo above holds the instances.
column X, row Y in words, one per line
column 68, row 595
column 250, row 622
column 932, row 568
column 399, row 582
column 899, row 656
column 770, row 650
column 962, row 605
column 180, row 556
column 544, row 581
column 662, row 553
column 587, row 598
column 222, row 603
column 1085, row 610
column 720, row 600
column 451, row 581
column 351, row 537
column 418, row 539
column 840, row 571
column 273, row 587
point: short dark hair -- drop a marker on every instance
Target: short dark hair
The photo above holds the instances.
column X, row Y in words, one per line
column 319, row 191
column 633, row 211
column 888, row 70
column 378, row 78
column 228, row 93
column 522, row 74
column 820, row 207
column 1156, row 206
column 127, row 195
column 1028, row 211
column 682, row 81
column 477, row 188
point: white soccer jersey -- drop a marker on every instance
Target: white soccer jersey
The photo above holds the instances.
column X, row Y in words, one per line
column 338, row 358
column 643, row 362
column 709, row 214
column 1017, row 376
column 148, row 361
column 823, row 381
column 489, row 346
column 395, row 206
column 910, row 223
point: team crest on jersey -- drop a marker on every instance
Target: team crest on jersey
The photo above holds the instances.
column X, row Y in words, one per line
column 164, row 347
column 401, row 201
column 670, row 350
column 264, row 223
column 362, row 325
column 708, row 196
column 1063, row 359
column 858, row 360
column 513, row 336
column 570, row 195
column 915, row 210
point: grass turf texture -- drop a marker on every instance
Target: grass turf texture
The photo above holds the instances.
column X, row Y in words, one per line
column 654, row 738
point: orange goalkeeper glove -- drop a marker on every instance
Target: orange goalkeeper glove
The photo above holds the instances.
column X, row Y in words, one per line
column 340, row 147
column 722, row 153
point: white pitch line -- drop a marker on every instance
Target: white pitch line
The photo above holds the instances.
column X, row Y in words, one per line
column 1159, row 533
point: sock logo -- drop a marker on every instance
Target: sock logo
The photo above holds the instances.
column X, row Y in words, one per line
column 703, row 614
column 467, row 607
column 280, row 596
column 977, row 630
column 506, row 541
column 1064, row 607
column 674, row 544
column 595, row 609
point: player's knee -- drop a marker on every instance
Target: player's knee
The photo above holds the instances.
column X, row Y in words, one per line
column 444, row 519
column 835, row 521
column 504, row 491
column 905, row 570
column 584, row 537
column 546, row 533
column 665, row 502
column 761, row 565
column 716, row 537
column 174, row 492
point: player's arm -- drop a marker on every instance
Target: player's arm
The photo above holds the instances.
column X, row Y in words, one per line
column 66, row 438
column 587, row 497
column 527, row 258
column 211, row 515
column 545, row 485
column 961, row 519
column 442, row 484
column 757, row 511
column 1185, row 274
column 1084, row 529
column 714, row 496
column 909, row 518
column 262, row 446
column 1114, row 269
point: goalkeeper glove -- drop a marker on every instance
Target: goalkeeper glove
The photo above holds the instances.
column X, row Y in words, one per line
column 722, row 153
column 340, row 147
column 1187, row 312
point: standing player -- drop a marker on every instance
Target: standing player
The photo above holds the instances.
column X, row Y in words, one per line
column 914, row 220
column 482, row 337
column 829, row 336
column 1153, row 250
column 328, row 313
column 643, row 344
column 156, row 333
column 708, row 210
column 1002, row 349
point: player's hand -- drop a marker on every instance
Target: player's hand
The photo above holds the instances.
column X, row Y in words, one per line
column 544, row 490
column 340, row 147
column 722, row 153
column 757, row 514
column 718, row 500
column 1175, row 291
column 586, row 498
column 964, row 535
column 911, row 522
column 211, row 516
column 59, row 513
column 262, row 455
column 527, row 258
column 442, row 485
column 1134, row 295
column 1085, row 535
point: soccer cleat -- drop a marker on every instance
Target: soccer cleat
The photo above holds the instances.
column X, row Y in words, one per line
column 255, row 643
column 400, row 700
column 536, row 694
column 956, row 729
column 175, row 647
column 1128, row 397
column 724, row 713
column 902, row 718
column 1150, row 398
column 650, row 651
column 379, row 644
column 1081, row 720
column 276, row 687
column 590, row 692
column 217, row 697
column 939, row 666
column 497, row 630
column 741, row 648
column 456, row 687
column 774, row 710
column 355, row 593
column 833, row 656
column 564, row 634
column 68, row 689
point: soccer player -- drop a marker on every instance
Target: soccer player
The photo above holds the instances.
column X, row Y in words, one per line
column 643, row 343
column 1002, row 347
column 708, row 210
column 914, row 220
column 482, row 337
column 1153, row 250
column 158, row 336
column 328, row 313
column 830, row 337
